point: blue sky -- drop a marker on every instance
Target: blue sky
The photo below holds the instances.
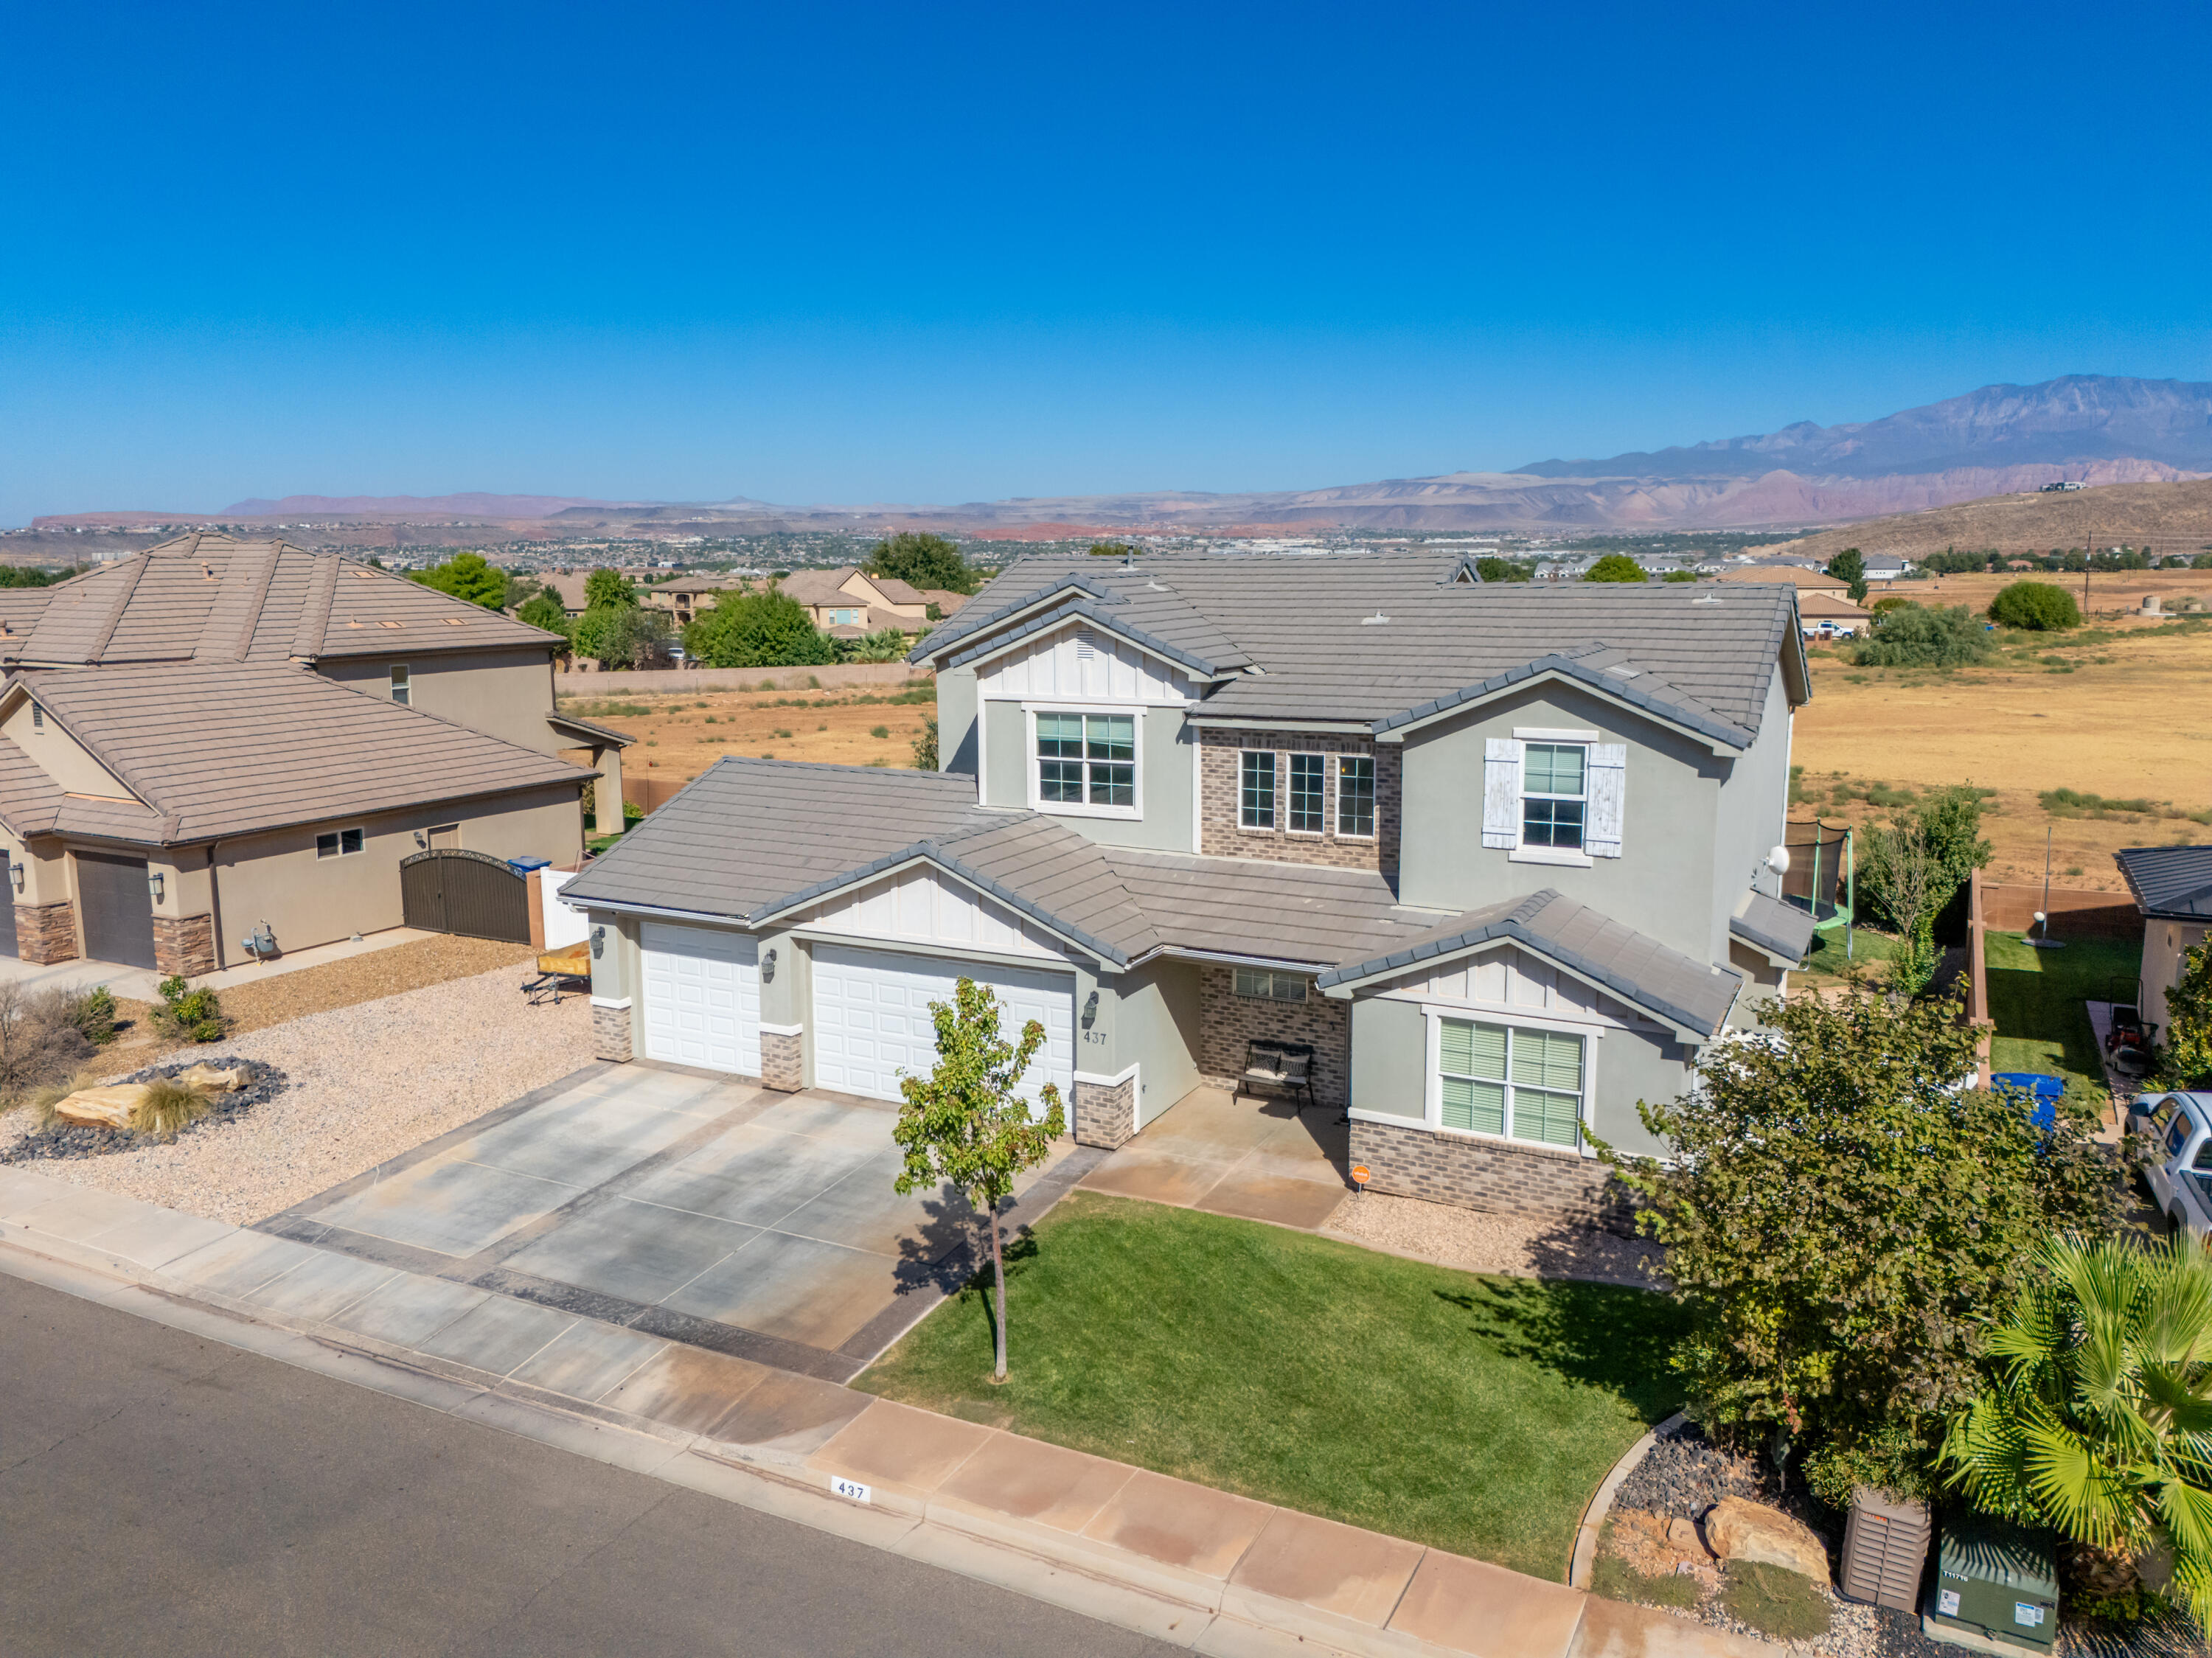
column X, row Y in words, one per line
column 960, row 251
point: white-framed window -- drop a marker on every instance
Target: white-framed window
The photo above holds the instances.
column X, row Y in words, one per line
column 1270, row 985
column 1554, row 795
column 1518, row 1081
column 1085, row 761
column 1308, row 792
column 1255, row 789
column 403, row 687
column 339, row 843
column 1355, row 797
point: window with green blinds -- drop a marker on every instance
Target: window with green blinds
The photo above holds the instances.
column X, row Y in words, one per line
column 1503, row 1079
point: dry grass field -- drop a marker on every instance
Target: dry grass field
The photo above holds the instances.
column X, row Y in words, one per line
column 2171, row 518
column 679, row 737
column 2115, row 712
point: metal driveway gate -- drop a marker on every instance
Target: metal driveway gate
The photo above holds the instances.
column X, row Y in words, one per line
column 448, row 889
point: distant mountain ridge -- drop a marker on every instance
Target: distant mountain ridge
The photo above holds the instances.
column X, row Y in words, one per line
column 2076, row 419
column 473, row 504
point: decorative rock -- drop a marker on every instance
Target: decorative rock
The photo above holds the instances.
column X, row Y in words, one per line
column 209, row 1079
column 1682, row 1537
column 103, row 1107
column 1738, row 1530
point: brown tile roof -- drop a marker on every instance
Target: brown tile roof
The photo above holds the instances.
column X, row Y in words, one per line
column 210, row 597
column 224, row 750
column 898, row 591
column 819, row 586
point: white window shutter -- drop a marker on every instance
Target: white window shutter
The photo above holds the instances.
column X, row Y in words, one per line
column 1608, row 781
column 1501, row 793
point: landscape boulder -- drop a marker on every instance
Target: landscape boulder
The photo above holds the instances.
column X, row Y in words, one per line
column 1682, row 1537
column 210, row 1079
column 103, row 1107
column 1736, row 1529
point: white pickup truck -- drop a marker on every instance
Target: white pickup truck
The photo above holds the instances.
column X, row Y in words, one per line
column 2177, row 1155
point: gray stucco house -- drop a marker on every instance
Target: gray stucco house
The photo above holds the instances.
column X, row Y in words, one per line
column 1498, row 853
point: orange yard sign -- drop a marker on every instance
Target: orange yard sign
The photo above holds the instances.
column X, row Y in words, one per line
column 1360, row 1174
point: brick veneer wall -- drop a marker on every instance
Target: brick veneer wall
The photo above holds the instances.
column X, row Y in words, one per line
column 1105, row 1115
column 611, row 1033
column 183, row 945
column 1229, row 1021
column 1545, row 1181
column 783, row 1062
column 1220, row 784
column 46, row 933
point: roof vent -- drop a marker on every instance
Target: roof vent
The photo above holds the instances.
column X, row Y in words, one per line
column 1710, row 598
column 456, row 622
column 1622, row 670
column 388, row 624
column 207, row 571
column 1376, row 620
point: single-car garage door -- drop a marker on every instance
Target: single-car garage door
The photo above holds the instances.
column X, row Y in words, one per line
column 872, row 1017
column 702, row 997
column 118, row 910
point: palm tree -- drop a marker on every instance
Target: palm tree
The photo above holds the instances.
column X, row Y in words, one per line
column 2099, row 1423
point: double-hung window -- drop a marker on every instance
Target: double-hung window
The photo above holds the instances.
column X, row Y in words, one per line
column 1509, row 1080
column 1309, row 794
column 1355, row 795
column 1255, row 807
column 402, row 685
column 1554, row 795
column 1087, row 760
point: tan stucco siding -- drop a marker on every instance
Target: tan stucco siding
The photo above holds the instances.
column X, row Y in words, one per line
column 504, row 693
column 306, row 900
column 60, row 755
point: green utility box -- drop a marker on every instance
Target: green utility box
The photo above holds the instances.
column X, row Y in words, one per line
column 1995, row 1587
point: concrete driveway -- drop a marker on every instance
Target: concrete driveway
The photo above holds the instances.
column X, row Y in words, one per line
column 698, row 1208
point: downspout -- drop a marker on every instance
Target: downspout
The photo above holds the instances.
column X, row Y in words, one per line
column 214, row 905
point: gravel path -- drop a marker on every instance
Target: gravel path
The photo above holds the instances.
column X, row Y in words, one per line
column 368, row 1081
column 1479, row 1241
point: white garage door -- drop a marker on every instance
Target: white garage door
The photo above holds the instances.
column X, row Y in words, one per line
column 702, row 997
column 872, row 1017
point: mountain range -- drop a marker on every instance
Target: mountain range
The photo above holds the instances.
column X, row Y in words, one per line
column 2001, row 440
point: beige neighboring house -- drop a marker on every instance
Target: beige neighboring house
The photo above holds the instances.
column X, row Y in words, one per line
column 2172, row 887
column 682, row 599
column 217, row 733
column 845, row 603
column 1819, row 609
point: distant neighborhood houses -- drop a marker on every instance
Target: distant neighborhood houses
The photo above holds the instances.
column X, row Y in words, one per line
column 844, row 602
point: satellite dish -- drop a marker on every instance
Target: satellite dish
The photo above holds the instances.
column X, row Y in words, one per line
column 1778, row 860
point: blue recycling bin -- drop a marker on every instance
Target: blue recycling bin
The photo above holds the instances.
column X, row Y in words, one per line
column 2043, row 1093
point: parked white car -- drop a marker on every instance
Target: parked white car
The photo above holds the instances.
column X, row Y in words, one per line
column 2178, row 1164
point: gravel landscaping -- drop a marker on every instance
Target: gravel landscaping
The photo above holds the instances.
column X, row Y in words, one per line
column 66, row 1141
column 366, row 1081
column 1516, row 1246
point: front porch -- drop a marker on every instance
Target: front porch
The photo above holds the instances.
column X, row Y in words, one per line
column 1262, row 1159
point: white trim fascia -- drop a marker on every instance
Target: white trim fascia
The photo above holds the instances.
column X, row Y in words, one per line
column 1559, row 855
column 1553, row 677
column 1114, row 1081
column 1177, row 952
column 611, row 1001
column 1555, row 734
column 882, row 945
column 1197, row 796
column 696, row 918
column 768, row 1029
column 982, row 748
column 1328, row 728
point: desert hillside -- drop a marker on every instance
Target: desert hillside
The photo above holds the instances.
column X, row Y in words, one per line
column 2165, row 518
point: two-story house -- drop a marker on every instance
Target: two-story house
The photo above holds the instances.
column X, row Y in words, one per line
column 1499, row 853
column 222, row 736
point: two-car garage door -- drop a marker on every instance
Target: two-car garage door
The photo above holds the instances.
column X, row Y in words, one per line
column 872, row 1017
column 702, row 997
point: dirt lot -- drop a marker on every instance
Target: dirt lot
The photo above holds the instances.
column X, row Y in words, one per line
column 2113, row 711
column 679, row 737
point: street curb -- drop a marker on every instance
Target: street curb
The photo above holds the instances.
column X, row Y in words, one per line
column 1584, row 1561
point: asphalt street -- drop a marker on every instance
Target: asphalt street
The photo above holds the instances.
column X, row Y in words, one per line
column 164, row 1494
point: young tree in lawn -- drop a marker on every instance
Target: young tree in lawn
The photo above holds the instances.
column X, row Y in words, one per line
column 1848, row 567
column 966, row 1125
column 1846, row 1223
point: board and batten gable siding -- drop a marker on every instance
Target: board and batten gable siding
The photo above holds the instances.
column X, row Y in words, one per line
column 1079, row 664
column 1662, row 884
column 1508, row 977
column 923, row 905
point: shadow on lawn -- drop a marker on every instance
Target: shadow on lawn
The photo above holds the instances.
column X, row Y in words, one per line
column 1601, row 1335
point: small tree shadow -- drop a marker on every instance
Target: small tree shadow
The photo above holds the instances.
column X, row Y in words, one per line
column 1599, row 1334
column 1564, row 1249
column 952, row 1253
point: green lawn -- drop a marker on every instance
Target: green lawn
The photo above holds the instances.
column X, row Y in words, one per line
column 1826, row 964
column 1477, row 1414
column 2036, row 997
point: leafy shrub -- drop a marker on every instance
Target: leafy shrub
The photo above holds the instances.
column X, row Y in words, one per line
column 1924, row 636
column 92, row 1012
column 2035, row 607
column 925, row 746
column 1616, row 567
column 1680, row 575
column 184, row 1014
column 632, row 813
column 1889, row 602
column 1776, row 1602
column 168, row 1107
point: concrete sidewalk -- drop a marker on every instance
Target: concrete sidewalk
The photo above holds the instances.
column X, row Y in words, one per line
column 1183, row 1562
column 142, row 983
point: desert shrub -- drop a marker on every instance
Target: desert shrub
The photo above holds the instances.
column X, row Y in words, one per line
column 168, row 1107
column 41, row 1101
column 184, row 1014
column 2036, row 607
column 92, row 1012
column 1889, row 602
column 925, row 746
column 39, row 1044
column 1774, row 1600
column 1924, row 636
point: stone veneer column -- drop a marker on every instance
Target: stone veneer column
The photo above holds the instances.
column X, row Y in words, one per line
column 1105, row 1115
column 1548, row 1181
column 183, row 945
column 783, row 1060
column 46, row 933
column 611, row 1029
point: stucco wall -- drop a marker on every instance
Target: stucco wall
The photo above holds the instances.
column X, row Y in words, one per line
column 1165, row 759
column 1158, row 1025
column 2164, row 945
column 956, row 720
column 504, row 694
column 306, row 900
column 60, row 755
column 1754, row 800
column 1662, row 883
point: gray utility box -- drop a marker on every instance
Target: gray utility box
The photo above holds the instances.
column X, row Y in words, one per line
column 1995, row 1587
column 1885, row 1547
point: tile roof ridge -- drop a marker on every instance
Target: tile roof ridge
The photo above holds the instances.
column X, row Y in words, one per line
column 126, row 587
column 312, row 629
column 256, row 600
